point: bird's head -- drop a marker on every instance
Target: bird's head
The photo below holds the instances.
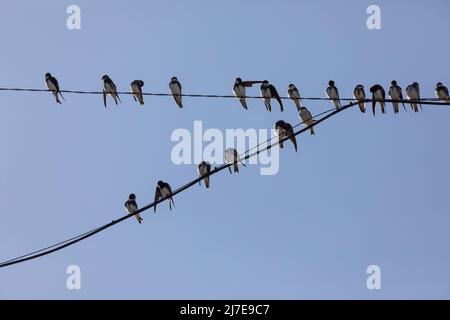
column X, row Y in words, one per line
column 238, row 80
column 132, row 196
column 291, row 86
column 393, row 82
column 105, row 77
column 48, row 75
column 174, row 79
column 331, row 83
column 439, row 84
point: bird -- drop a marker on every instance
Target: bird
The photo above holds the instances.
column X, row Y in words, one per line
column 204, row 169
column 232, row 157
column 109, row 88
column 268, row 91
column 53, row 86
column 306, row 118
column 131, row 206
column 175, row 88
column 284, row 130
column 295, row 96
column 378, row 95
column 360, row 96
column 136, row 89
column 395, row 93
column 333, row 94
column 413, row 94
column 442, row 92
column 163, row 191
column 239, row 90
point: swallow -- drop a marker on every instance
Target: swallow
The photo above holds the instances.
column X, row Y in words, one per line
column 239, row 90
column 333, row 94
column 360, row 96
column 442, row 92
column 413, row 94
column 268, row 91
column 204, row 169
column 232, row 157
column 53, row 86
column 136, row 89
column 175, row 88
column 295, row 96
column 163, row 191
column 395, row 93
column 307, row 119
column 378, row 95
column 285, row 130
column 131, row 206
column 109, row 88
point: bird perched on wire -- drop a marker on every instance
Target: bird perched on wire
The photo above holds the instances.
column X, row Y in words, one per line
column 239, row 90
column 132, row 207
column 136, row 89
column 295, row 96
column 109, row 88
column 306, row 118
column 268, row 91
column 442, row 92
column 204, row 169
column 413, row 94
column 175, row 89
column 360, row 96
column 284, row 130
column 333, row 94
column 53, row 86
column 378, row 95
column 163, row 191
column 232, row 157
column 395, row 93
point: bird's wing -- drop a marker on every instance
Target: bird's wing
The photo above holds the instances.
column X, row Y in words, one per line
column 274, row 93
column 157, row 197
column 104, row 97
column 249, row 83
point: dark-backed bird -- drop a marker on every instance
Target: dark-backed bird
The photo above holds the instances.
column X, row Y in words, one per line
column 268, row 91
column 232, row 157
column 442, row 92
column 378, row 95
column 136, row 89
column 333, row 94
column 204, row 169
column 175, row 89
column 395, row 93
column 295, row 96
column 132, row 207
column 284, row 130
column 109, row 88
column 360, row 96
column 53, row 86
column 413, row 94
column 163, row 191
column 307, row 119
column 239, row 90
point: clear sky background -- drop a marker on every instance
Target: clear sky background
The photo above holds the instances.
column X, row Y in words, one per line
column 365, row 190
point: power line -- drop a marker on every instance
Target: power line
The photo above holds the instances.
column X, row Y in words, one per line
column 63, row 244
column 69, row 242
column 198, row 95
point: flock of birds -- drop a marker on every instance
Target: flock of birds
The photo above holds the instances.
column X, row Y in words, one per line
column 268, row 92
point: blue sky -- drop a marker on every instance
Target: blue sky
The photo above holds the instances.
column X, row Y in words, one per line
column 363, row 191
